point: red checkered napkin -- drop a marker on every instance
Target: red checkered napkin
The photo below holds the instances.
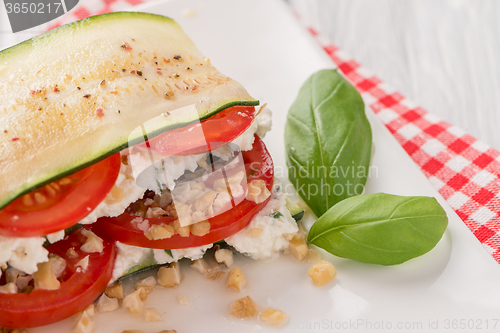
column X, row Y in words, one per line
column 465, row 171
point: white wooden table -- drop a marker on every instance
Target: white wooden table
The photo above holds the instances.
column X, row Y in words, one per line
column 442, row 54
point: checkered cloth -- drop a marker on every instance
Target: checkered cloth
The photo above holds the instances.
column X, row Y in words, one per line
column 464, row 170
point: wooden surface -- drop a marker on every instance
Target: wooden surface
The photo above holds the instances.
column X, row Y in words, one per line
column 443, row 55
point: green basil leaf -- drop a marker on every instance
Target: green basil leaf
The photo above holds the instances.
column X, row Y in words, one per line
column 380, row 228
column 328, row 141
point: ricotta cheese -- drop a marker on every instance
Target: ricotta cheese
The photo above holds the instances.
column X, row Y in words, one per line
column 23, row 253
column 266, row 236
column 128, row 256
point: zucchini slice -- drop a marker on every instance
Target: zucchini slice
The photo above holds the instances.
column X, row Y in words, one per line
column 294, row 209
column 83, row 91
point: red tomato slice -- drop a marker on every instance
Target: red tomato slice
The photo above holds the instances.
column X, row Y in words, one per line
column 60, row 204
column 77, row 291
column 206, row 135
column 258, row 165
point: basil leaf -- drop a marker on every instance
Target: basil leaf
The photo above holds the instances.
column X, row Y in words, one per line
column 169, row 252
column 328, row 141
column 380, row 228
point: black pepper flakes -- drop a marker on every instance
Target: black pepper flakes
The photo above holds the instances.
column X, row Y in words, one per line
column 139, row 73
column 78, row 88
column 177, row 76
column 124, row 70
column 119, row 111
column 177, row 57
column 86, row 96
column 126, row 47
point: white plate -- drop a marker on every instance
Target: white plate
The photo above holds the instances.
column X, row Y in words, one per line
column 454, row 288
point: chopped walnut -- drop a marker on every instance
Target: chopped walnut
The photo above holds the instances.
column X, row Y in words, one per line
column 205, row 201
column 151, row 314
column 82, row 265
column 322, row 272
column 106, row 304
column 202, row 266
column 169, row 276
column 244, row 308
column 236, row 279
column 273, row 317
column 133, row 303
column 200, row 228
column 155, row 212
column 93, row 243
column 144, row 292
column 160, row 231
column 224, row 256
column 183, row 231
column 298, row 247
column 46, row 275
column 84, row 324
column 257, row 191
column 115, row 291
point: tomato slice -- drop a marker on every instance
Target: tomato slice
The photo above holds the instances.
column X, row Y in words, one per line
column 78, row 289
column 62, row 203
column 258, row 165
column 207, row 135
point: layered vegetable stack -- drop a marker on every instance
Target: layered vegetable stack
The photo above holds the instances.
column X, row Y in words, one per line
column 121, row 148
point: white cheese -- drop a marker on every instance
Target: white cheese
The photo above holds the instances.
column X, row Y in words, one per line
column 55, row 236
column 129, row 256
column 23, row 253
column 275, row 231
column 265, row 122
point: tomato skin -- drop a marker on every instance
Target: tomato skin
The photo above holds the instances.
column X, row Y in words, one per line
column 77, row 291
column 206, row 135
column 222, row 225
column 71, row 204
